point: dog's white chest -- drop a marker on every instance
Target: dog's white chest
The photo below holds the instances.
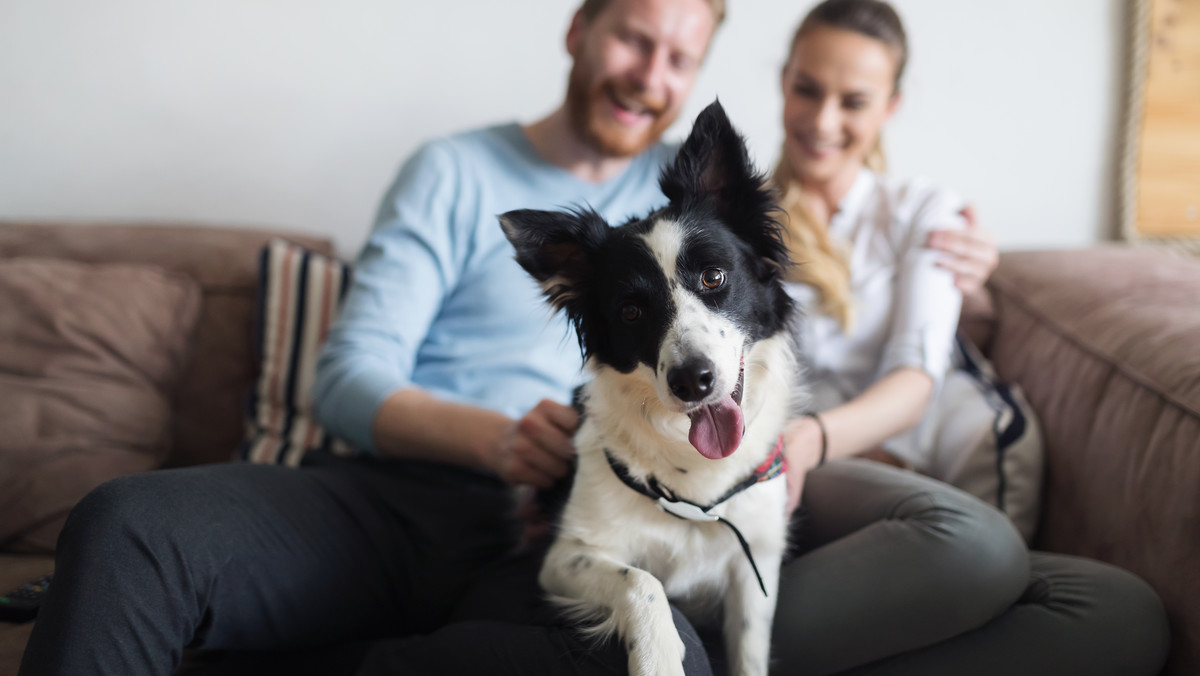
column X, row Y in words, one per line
column 690, row 556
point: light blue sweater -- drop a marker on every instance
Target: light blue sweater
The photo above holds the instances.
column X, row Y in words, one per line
column 437, row 300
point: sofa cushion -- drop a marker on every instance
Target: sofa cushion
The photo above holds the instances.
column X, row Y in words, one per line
column 208, row 421
column 300, row 292
column 89, row 355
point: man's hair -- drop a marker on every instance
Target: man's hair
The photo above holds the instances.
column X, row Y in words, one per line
column 591, row 8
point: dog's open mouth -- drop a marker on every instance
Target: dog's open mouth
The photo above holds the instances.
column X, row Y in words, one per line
column 717, row 428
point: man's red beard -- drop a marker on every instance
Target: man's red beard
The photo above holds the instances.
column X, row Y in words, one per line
column 604, row 134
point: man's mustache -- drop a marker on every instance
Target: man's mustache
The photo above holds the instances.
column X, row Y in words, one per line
column 638, row 99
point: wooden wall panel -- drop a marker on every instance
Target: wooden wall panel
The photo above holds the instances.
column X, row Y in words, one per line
column 1168, row 168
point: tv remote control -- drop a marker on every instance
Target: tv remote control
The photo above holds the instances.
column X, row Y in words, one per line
column 22, row 603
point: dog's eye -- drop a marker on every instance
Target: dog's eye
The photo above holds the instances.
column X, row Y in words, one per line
column 712, row 278
column 630, row 313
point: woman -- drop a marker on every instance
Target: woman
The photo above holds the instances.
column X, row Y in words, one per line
column 898, row 573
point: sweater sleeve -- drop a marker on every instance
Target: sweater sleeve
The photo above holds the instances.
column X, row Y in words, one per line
column 927, row 303
column 408, row 265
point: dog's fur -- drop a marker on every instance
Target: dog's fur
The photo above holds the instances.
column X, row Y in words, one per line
column 664, row 348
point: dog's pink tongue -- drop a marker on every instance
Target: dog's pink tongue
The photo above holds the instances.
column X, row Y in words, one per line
column 717, row 429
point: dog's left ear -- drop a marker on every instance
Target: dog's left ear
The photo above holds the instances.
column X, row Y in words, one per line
column 553, row 248
column 713, row 167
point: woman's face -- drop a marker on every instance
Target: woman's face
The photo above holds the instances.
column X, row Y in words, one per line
column 837, row 94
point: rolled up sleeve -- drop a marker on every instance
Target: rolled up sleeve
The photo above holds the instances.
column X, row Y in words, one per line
column 927, row 302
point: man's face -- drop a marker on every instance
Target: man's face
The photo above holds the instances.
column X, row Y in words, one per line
column 635, row 63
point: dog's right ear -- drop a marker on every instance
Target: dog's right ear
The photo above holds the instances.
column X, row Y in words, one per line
column 554, row 247
column 713, row 167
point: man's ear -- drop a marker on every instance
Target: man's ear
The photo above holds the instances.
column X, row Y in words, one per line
column 713, row 169
column 554, row 247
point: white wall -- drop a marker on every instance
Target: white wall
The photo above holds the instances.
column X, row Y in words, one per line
column 295, row 113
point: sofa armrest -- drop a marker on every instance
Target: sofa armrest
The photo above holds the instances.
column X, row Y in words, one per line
column 1106, row 344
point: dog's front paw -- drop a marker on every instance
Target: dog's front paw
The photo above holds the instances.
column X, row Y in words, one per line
column 656, row 653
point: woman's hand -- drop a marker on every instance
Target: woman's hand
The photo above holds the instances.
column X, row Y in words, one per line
column 802, row 447
column 537, row 449
column 973, row 254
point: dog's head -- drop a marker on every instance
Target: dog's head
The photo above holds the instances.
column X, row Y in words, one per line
column 674, row 299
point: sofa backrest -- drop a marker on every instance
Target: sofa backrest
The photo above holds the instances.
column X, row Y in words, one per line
column 208, row 409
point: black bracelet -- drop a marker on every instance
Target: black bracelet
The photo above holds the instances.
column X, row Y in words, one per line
column 824, row 436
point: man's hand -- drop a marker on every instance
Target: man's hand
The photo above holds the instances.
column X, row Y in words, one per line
column 802, row 446
column 973, row 254
column 537, row 448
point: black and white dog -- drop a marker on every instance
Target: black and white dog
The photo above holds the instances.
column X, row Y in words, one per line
column 684, row 324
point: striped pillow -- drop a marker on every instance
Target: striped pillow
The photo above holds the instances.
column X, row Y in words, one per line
column 300, row 293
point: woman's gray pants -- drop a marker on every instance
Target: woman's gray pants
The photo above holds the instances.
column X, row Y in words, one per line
column 901, row 574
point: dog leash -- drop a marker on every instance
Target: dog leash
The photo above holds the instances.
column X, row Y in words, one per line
column 672, row 504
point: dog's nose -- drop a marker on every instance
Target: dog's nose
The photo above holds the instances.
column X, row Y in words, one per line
column 691, row 381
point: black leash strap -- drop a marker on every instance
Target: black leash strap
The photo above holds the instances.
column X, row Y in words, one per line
column 749, row 557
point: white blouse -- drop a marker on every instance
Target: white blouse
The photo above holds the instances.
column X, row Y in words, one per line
column 905, row 307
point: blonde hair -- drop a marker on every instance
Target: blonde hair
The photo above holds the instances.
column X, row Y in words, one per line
column 821, row 262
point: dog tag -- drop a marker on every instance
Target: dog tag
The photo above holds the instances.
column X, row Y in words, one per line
column 684, row 510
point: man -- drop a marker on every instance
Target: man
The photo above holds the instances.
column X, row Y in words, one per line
column 443, row 353
column 447, row 371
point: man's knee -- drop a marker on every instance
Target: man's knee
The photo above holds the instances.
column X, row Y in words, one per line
column 119, row 512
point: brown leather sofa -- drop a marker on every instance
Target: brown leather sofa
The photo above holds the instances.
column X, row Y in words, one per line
column 1105, row 342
